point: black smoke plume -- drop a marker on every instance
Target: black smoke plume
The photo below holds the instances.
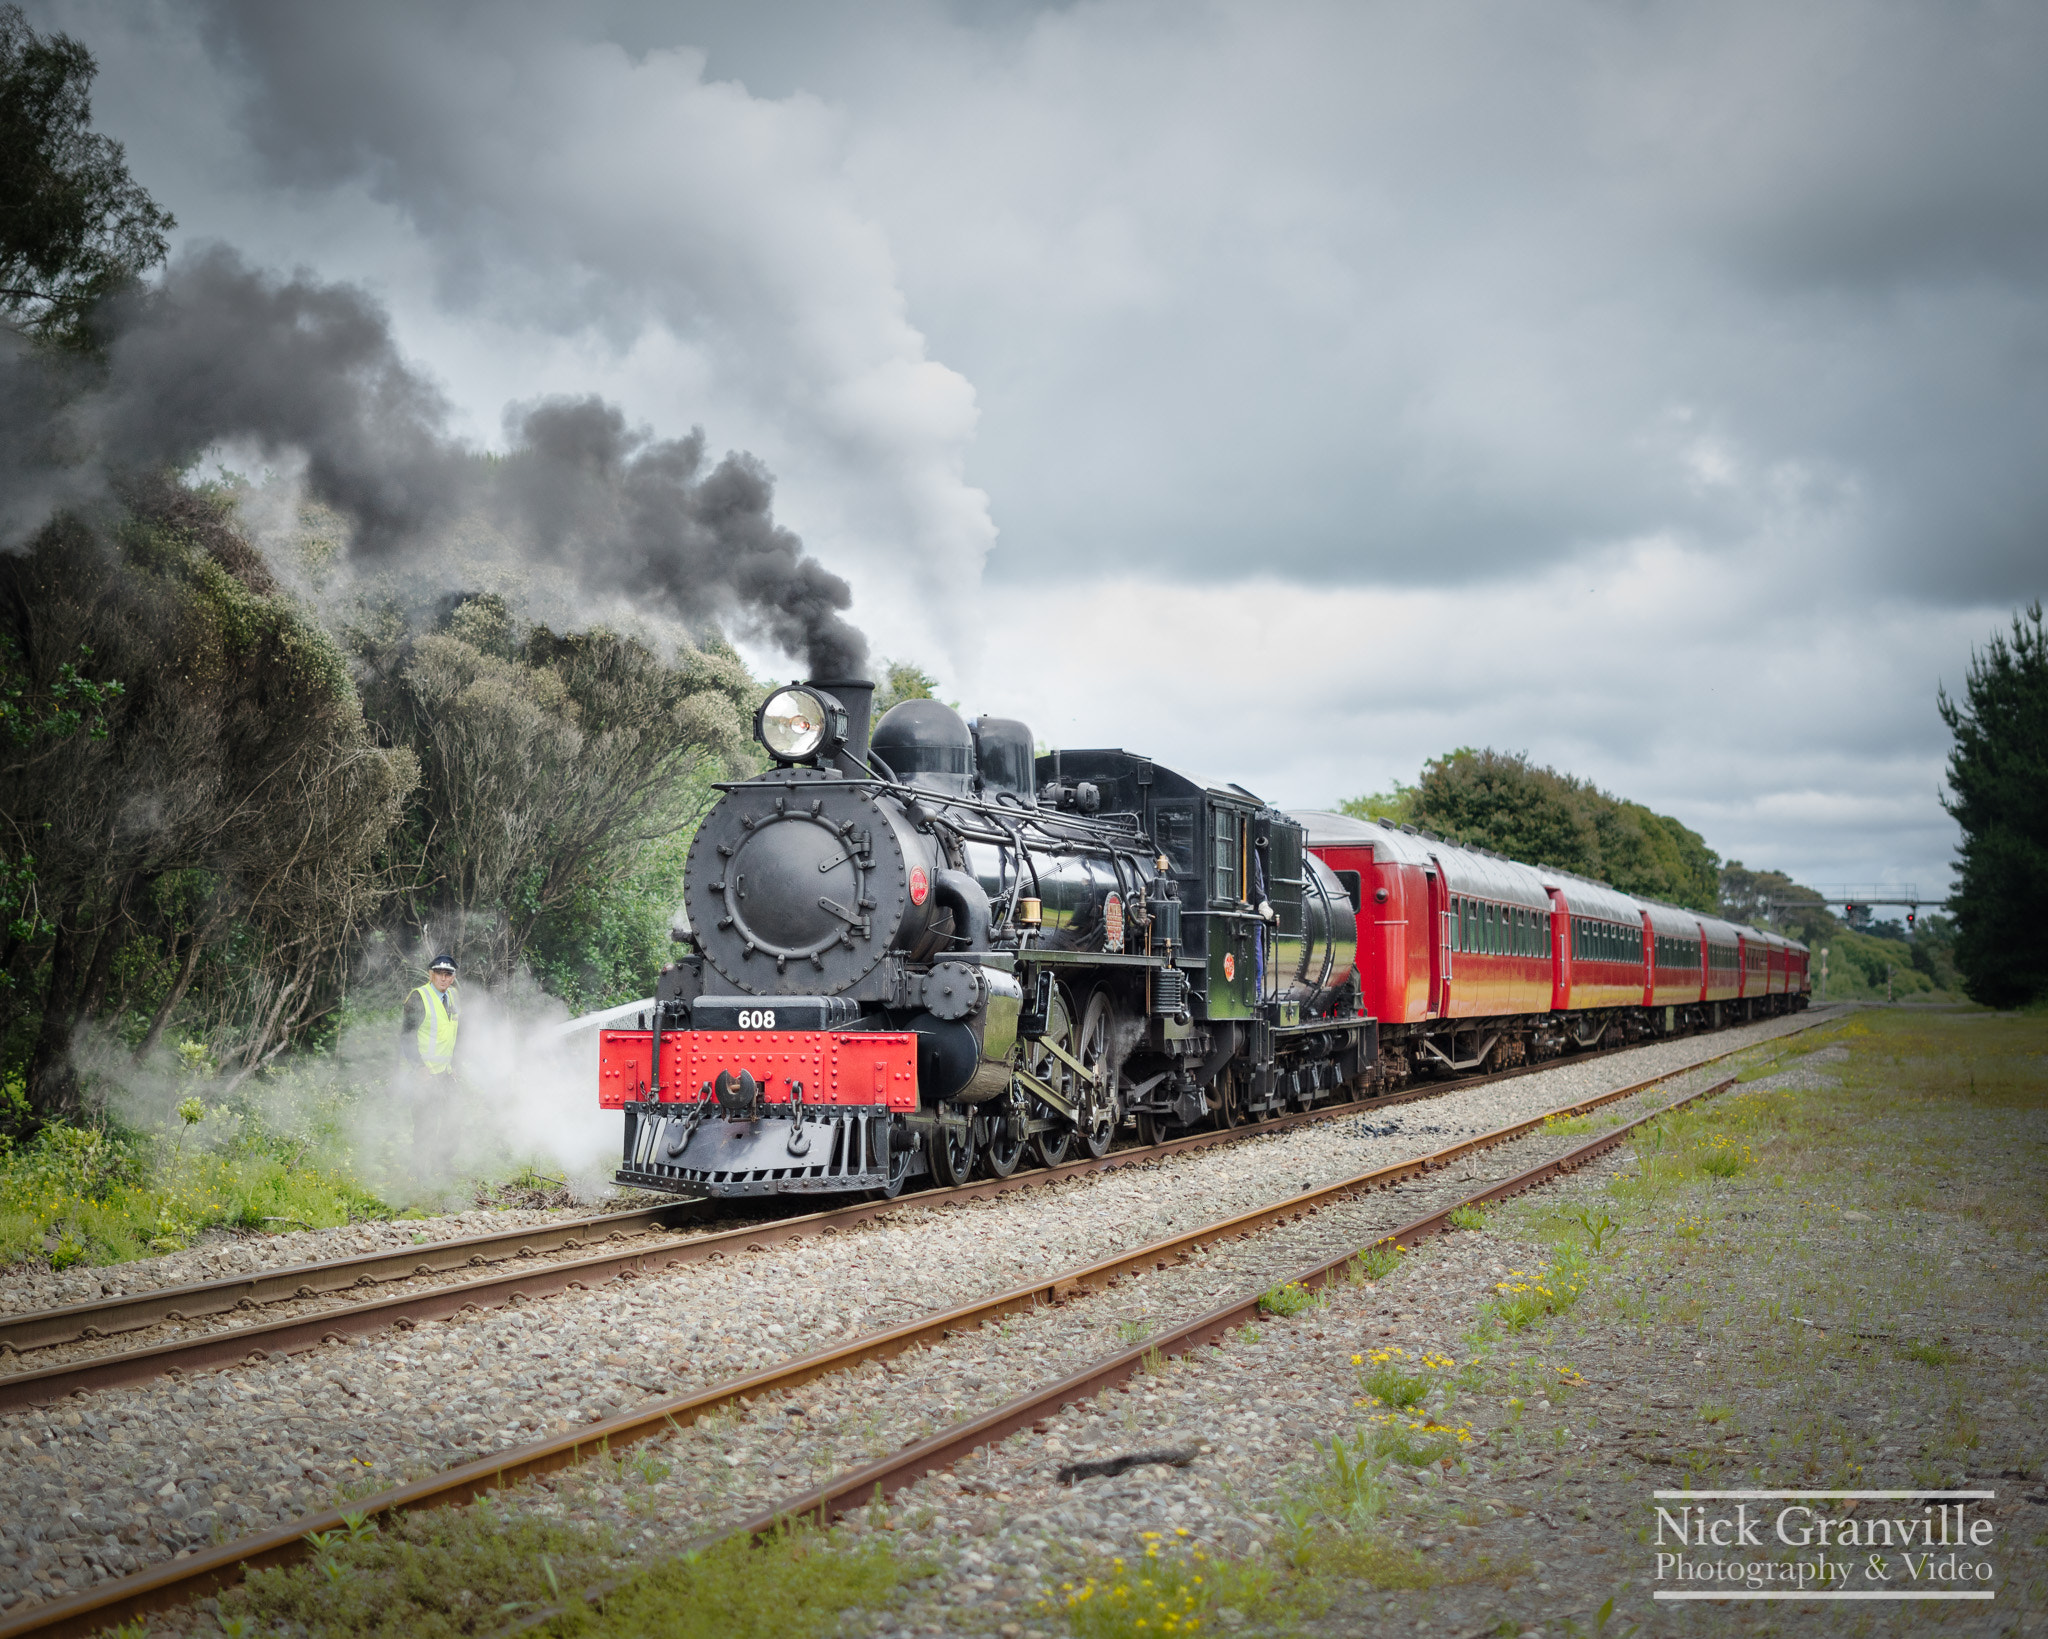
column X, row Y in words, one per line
column 220, row 352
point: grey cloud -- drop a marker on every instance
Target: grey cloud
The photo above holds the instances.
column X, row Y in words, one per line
column 1411, row 293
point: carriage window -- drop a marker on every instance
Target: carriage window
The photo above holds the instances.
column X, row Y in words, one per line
column 1354, row 886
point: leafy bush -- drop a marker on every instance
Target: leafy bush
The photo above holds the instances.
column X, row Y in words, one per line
column 99, row 1195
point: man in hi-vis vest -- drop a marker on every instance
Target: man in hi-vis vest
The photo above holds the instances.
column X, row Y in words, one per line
column 427, row 1046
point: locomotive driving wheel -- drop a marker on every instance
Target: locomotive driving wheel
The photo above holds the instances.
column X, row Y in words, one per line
column 1049, row 1144
column 1003, row 1141
column 897, row 1166
column 1229, row 1104
column 952, row 1145
column 1101, row 1108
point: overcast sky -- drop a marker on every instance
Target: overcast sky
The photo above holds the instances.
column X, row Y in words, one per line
column 1291, row 391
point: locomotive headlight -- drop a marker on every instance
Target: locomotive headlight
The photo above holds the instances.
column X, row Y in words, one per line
column 796, row 724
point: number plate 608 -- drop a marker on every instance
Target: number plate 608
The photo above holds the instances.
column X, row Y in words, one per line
column 757, row 1018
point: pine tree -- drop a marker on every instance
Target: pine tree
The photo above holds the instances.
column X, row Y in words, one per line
column 1998, row 784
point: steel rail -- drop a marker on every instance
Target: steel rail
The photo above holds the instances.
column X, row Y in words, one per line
column 86, row 1322
column 175, row 1581
column 136, row 1311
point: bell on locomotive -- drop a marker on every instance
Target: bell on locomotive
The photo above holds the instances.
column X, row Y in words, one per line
column 835, row 1015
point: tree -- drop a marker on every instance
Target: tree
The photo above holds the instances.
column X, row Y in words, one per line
column 1397, row 803
column 1771, row 899
column 1499, row 800
column 74, row 225
column 207, row 835
column 1502, row 801
column 1998, row 785
column 903, row 681
column 550, row 763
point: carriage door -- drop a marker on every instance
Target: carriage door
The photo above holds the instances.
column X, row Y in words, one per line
column 1439, row 946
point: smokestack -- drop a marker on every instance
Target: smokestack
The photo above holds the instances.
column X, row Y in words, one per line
column 859, row 700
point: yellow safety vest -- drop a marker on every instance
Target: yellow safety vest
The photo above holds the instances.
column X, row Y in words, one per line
column 437, row 1032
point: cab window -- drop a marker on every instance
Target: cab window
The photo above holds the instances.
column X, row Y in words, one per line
column 1224, row 879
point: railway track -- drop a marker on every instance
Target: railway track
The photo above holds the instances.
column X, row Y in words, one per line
column 470, row 1272
column 174, row 1582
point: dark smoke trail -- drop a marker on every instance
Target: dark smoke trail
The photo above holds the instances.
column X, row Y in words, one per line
column 633, row 513
column 223, row 352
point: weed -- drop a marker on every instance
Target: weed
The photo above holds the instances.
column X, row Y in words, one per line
column 1351, row 1491
column 1715, row 1411
column 1930, row 1354
column 1375, row 1262
column 1526, row 1297
column 87, row 1194
column 1167, row 1594
column 1130, row 1333
column 1723, row 1157
column 1601, row 1619
column 1468, row 1217
column 1291, row 1299
column 1598, row 1232
column 1392, row 1377
column 1154, row 1363
column 798, row 1583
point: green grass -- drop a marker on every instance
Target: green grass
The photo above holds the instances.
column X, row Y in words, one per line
column 480, row 1569
column 100, row 1195
column 1468, row 1217
column 796, row 1585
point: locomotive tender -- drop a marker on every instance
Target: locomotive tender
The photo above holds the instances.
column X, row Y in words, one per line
column 929, row 952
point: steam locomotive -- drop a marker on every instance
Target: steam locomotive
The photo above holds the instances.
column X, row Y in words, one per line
column 929, row 952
